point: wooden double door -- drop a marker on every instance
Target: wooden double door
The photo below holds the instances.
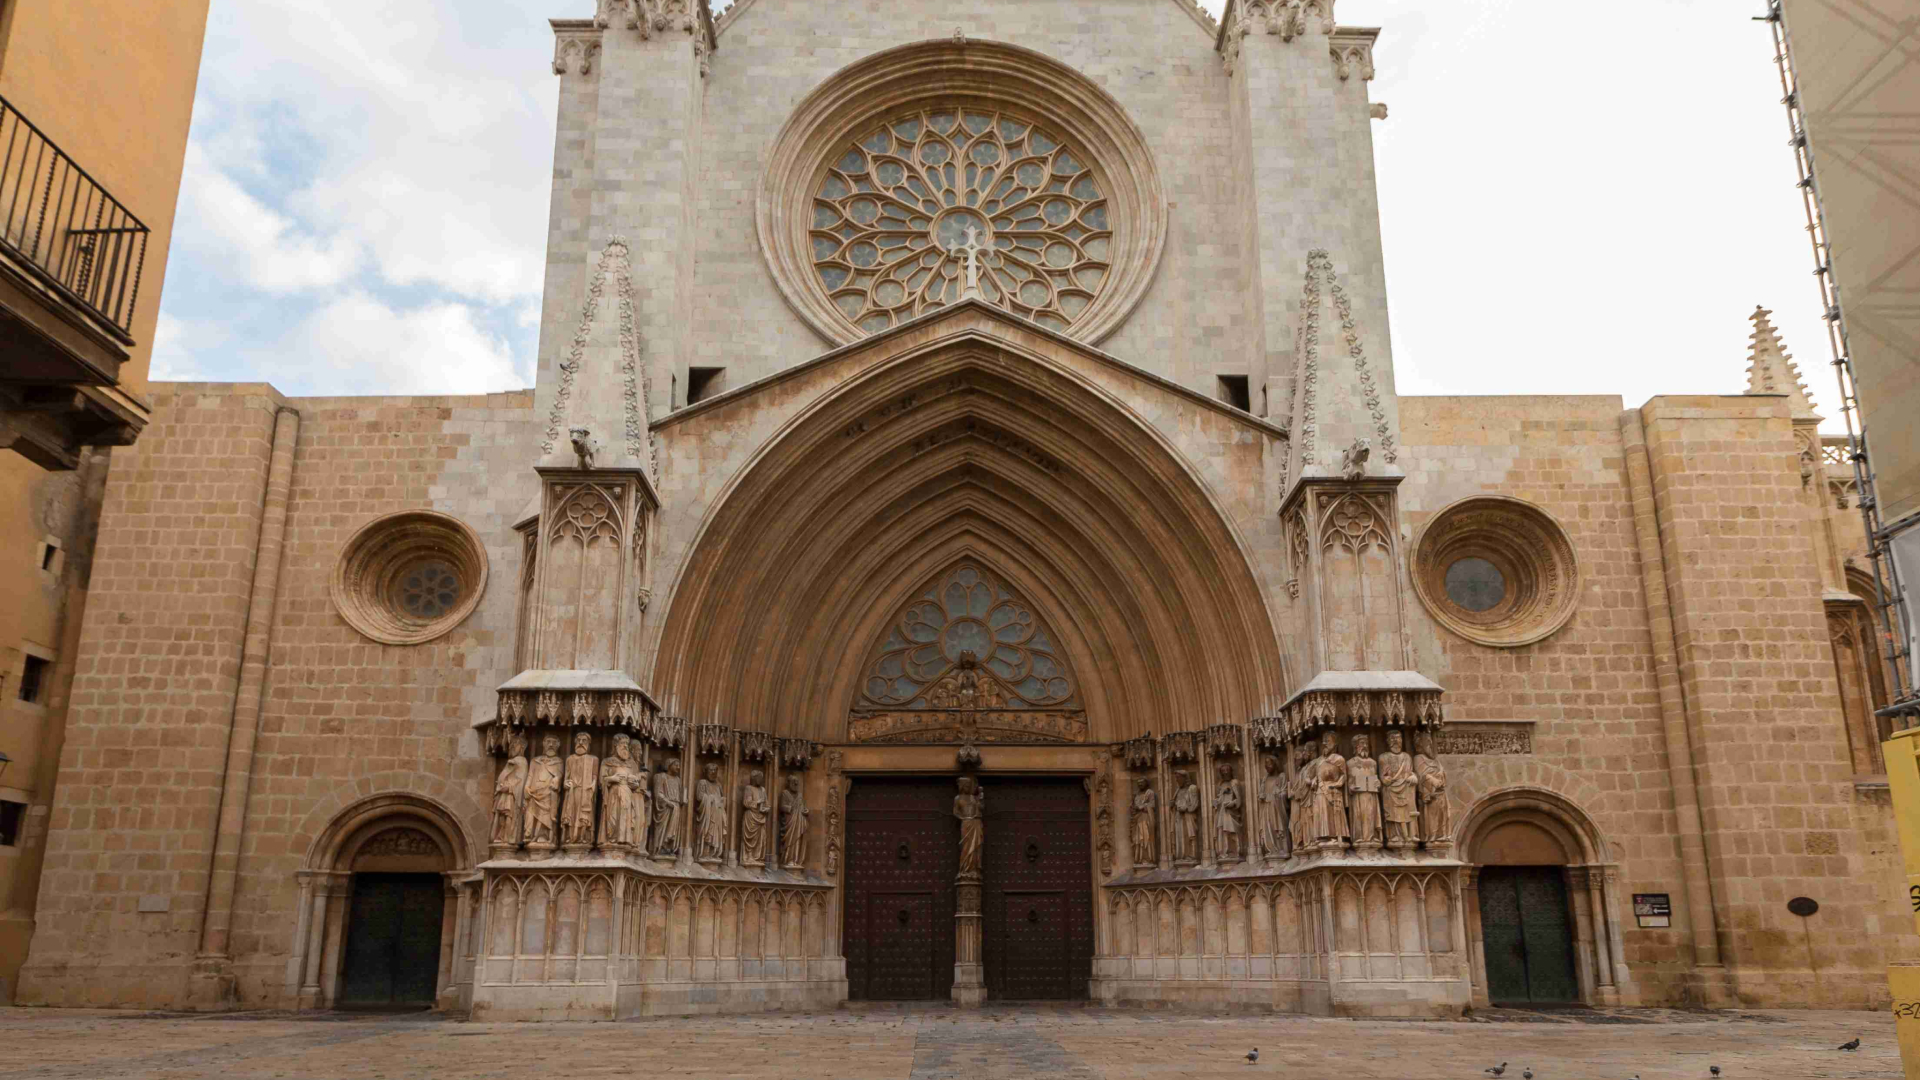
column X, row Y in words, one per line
column 392, row 955
column 1528, row 935
column 903, row 846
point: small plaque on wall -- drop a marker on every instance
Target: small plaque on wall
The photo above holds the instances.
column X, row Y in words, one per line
column 1652, row 909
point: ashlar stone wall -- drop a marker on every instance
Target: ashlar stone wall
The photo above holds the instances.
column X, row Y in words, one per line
column 342, row 717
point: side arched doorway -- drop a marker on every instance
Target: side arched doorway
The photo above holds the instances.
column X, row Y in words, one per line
column 1539, row 903
column 384, row 904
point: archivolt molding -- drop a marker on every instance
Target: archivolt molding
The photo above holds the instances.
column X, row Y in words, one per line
column 351, row 829
column 956, row 73
column 836, row 521
column 1555, row 804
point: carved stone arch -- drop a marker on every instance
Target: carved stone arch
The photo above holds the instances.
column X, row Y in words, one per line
column 588, row 512
column 969, row 447
column 1479, row 783
column 335, row 848
column 389, row 832
column 1355, row 522
column 1560, row 817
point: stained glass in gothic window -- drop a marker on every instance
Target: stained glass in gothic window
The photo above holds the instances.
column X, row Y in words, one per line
column 899, row 209
column 968, row 621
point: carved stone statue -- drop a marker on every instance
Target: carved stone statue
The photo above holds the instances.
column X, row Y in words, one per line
column 506, row 794
column 1300, row 798
column 793, row 824
column 1436, row 818
column 1273, row 809
column 753, row 820
column 1330, row 827
column 1146, row 824
column 1186, row 807
column 1398, row 793
column 642, row 809
column 710, row 817
column 968, row 806
column 1227, row 805
column 543, row 794
column 583, row 776
column 1353, row 460
column 668, row 798
column 1363, row 794
column 582, row 440
column 619, row 790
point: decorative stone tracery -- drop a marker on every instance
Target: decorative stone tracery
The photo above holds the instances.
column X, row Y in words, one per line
column 407, row 578
column 908, row 150
column 902, row 211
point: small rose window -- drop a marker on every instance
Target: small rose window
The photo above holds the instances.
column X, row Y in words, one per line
column 429, row 590
column 410, row 577
column 1497, row 571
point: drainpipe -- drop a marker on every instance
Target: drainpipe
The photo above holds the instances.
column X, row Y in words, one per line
column 1673, row 705
column 212, row 983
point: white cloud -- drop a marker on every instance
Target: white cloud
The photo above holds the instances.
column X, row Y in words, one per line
column 420, row 134
column 264, row 250
column 174, row 342
column 357, row 344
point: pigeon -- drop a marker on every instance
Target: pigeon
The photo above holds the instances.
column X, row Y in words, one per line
column 1850, row 1044
column 1526, row 1073
column 1714, row 1069
column 1497, row 1070
column 1253, row 1055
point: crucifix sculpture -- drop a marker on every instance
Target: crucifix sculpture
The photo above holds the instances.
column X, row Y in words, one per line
column 971, row 250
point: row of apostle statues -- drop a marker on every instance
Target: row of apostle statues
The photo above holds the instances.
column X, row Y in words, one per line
column 584, row 802
column 1324, row 802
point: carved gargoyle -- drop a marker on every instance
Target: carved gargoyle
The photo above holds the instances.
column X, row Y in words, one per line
column 1353, row 460
column 582, row 445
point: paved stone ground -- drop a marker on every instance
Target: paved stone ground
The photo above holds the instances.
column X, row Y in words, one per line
column 933, row 1043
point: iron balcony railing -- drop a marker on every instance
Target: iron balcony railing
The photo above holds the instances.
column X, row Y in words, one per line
column 62, row 227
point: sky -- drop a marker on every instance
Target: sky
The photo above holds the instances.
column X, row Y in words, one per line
column 1574, row 199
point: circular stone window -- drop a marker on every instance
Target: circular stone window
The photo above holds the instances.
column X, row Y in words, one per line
column 1497, row 570
column 910, row 171
column 927, row 199
column 410, row 577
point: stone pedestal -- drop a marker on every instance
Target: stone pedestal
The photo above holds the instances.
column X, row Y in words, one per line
column 969, row 973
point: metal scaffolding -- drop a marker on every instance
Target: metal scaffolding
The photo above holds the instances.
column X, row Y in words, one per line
column 1903, row 707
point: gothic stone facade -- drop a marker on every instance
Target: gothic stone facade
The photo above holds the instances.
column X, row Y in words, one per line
column 965, row 542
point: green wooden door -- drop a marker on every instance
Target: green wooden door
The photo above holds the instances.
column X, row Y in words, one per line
column 393, row 940
column 1527, row 934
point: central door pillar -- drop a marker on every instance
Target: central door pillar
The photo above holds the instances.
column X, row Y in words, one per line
column 969, row 971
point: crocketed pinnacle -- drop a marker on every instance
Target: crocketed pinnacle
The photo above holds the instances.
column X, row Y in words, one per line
column 1771, row 370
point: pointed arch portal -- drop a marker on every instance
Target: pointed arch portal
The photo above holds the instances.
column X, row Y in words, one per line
column 983, row 449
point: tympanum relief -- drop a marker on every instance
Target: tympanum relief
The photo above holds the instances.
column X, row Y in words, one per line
column 968, row 660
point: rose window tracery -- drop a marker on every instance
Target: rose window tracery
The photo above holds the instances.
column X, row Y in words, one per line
column 962, row 626
column 899, row 214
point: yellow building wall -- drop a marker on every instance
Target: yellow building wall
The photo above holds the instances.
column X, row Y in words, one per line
column 113, row 88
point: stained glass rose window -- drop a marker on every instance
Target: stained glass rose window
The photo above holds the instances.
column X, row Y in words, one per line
column 900, row 213
column 966, row 619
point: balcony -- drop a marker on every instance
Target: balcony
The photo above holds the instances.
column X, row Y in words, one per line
column 70, row 262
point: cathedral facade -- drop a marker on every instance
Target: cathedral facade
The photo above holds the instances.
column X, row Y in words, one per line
column 965, row 544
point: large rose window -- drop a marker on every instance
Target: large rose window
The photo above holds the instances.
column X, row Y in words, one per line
column 906, row 168
column 901, row 213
